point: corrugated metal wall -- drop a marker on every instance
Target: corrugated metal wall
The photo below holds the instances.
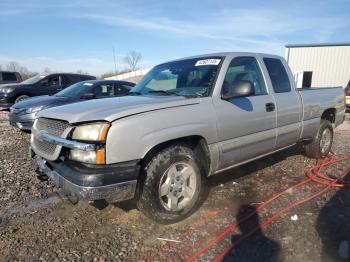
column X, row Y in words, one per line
column 330, row 64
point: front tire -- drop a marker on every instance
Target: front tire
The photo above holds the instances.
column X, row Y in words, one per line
column 321, row 144
column 172, row 185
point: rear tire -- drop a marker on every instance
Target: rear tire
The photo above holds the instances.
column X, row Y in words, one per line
column 172, row 185
column 321, row 144
column 21, row 98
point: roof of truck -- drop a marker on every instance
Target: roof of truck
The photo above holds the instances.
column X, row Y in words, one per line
column 224, row 54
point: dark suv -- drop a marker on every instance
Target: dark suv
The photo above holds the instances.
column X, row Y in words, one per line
column 7, row 77
column 37, row 86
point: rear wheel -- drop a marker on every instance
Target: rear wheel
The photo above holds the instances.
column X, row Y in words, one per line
column 21, row 98
column 321, row 144
column 172, row 185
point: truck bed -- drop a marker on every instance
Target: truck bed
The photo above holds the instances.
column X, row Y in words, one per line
column 315, row 101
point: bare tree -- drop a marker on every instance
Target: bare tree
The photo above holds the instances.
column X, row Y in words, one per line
column 107, row 74
column 24, row 72
column 16, row 67
column 132, row 59
column 82, row 72
column 47, row 70
column 13, row 66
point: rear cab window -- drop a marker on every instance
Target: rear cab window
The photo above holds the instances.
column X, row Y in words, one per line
column 278, row 75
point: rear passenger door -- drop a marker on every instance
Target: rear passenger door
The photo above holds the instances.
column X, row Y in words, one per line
column 246, row 125
column 288, row 102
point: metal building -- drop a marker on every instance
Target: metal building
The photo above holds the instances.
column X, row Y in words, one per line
column 320, row 65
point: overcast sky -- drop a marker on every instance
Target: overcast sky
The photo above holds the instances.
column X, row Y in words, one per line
column 71, row 35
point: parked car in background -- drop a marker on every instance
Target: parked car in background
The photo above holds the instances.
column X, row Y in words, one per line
column 7, row 77
column 37, row 86
column 23, row 113
column 347, row 95
column 187, row 119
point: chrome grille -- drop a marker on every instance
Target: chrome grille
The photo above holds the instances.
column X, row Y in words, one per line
column 47, row 150
column 52, row 126
column 45, row 147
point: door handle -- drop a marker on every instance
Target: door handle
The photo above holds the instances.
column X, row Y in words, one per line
column 270, row 107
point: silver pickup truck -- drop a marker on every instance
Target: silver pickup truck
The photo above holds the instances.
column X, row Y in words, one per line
column 186, row 120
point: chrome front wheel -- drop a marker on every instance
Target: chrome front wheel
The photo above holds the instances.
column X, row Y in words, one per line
column 172, row 185
column 177, row 187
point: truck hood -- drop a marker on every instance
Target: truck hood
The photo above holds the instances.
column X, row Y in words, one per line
column 111, row 109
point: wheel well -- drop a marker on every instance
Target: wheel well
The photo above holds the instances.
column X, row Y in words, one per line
column 329, row 115
column 197, row 143
column 21, row 94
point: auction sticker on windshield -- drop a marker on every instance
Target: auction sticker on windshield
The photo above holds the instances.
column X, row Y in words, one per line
column 208, row 62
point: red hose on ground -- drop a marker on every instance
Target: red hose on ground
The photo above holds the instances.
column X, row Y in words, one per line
column 268, row 221
column 313, row 174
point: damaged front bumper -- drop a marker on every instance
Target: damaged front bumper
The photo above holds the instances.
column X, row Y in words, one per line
column 112, row 183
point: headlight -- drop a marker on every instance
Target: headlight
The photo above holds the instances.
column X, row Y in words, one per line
column 91, row 132
column 91, row 157
column 96, row 132
column 7, row 90
column 34, row 109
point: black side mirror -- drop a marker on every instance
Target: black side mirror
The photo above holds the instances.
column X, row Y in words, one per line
column 88, row 96
column 238, row 89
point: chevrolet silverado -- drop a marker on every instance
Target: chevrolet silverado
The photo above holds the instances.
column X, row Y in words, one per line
column 184, row 121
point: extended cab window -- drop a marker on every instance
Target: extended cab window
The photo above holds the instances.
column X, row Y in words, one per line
column 278, row 75
column 244, row 69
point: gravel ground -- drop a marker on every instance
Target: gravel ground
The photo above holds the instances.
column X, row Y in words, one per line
column 35, row 224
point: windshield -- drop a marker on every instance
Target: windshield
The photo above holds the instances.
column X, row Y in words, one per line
column 190, row 77
column 76, row 90
column 33, row 79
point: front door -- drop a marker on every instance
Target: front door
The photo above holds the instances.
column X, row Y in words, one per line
column 246, row 125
